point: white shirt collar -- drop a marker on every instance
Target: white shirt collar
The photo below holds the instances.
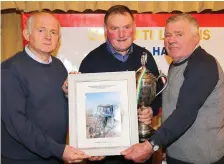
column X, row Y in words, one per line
column 33, row 56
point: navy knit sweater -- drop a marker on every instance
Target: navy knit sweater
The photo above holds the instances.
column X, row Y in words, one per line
column 34, row 109
column 100, row 60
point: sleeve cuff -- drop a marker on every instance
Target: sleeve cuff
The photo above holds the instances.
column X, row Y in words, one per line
column 57, row 149
column 157, row 140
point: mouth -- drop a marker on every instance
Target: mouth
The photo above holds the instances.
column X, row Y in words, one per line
column 122, row 40
column 47, row 44
column 173, row 48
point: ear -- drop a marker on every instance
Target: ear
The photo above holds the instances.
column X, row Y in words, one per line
column 26, row 34
column 59, row 40
column 196, row 39
column 59, row 37
column 105, row 30
column 134, row 31
column 134, row 27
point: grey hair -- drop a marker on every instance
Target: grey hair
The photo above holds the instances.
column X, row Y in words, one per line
column 31, row 18
column 189, row 18
column 29, row 23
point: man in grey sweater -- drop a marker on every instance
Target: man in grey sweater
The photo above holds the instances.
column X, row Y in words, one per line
column 193, row 106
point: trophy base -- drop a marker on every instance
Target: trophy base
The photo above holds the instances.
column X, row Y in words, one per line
column 145, row 136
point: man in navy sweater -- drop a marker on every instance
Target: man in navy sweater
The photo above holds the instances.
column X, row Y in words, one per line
column 193, row 106
column 119, row 53
column 34, row 108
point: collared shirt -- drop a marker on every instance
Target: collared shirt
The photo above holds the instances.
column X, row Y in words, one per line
column 120, row 57
column 33, row 56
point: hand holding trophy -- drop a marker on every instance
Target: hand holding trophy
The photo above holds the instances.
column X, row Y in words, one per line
column 146, row 93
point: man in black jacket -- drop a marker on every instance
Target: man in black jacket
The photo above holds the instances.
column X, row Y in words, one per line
column 119, row 53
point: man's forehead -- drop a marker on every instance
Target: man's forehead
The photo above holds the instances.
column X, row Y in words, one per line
column 175, row 30
column 178, row 26
column 117, row 15
column 178, row 23
column 45, row 20
column 120, row 23
column 44, row 17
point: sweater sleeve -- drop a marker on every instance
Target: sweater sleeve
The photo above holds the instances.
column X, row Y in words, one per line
column 14, row 95
column 200, row 81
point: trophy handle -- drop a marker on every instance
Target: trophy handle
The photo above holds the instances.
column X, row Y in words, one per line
column 165, row 83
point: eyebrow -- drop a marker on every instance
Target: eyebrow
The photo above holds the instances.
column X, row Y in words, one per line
column 178, row 31
column 129, row 24
column 45, row 28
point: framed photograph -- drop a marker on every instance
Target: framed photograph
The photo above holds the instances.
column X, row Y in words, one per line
column 102, row 112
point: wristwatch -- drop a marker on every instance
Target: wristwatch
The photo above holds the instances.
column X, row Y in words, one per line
column 154, row 146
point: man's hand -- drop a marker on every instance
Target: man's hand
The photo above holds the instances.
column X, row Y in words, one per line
column 96, row 158
column 145, row 116
column 139, row 152
column 65, row 85
column 73, row 155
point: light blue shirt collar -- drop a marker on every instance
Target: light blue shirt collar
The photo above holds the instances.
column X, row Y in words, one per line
column 120, row 57
column 33, row 56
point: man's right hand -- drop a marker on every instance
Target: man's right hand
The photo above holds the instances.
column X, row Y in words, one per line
column 139, row 152
column 65, row 85
column 73, row 155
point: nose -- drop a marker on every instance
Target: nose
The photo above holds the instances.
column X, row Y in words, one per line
column 48, row 35
column 172, row 39
column 121, row 33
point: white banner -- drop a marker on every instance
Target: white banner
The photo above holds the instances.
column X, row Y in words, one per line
column 81, row 33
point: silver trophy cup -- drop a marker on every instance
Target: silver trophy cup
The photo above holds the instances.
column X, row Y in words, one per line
column 146, row 93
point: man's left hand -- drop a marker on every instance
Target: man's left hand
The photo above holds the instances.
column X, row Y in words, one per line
column 96, row 158
column 139, row 152
column 145, row 116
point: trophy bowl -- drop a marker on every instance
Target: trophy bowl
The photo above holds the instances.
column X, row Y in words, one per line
column 146, row 93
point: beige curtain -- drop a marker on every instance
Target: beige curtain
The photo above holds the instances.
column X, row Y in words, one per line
column 140, row 6
column 11, row 33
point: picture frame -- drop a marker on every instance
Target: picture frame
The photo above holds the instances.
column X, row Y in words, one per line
column 102, row 112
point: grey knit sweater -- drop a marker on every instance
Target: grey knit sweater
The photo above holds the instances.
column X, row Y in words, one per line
column 193, row 110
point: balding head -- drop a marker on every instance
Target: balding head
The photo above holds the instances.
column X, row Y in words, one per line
column 42, row 33
column 36, row 15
